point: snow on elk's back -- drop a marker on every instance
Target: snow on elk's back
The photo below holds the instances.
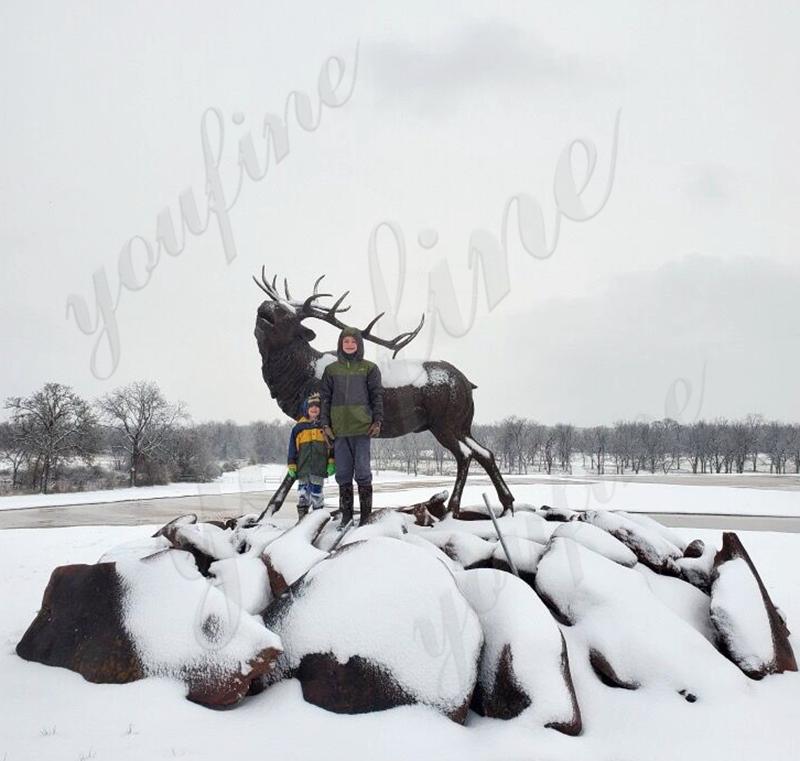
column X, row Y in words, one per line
column 402, row 372
column 176, row 617
column 393, row 604
column 410, row 372
column 737, row 608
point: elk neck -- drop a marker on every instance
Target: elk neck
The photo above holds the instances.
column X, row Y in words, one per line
column 289, row 374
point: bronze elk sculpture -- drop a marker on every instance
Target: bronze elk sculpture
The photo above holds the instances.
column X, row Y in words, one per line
column 430, row 396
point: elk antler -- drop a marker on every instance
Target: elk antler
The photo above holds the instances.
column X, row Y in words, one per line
column 308, row 308
column 329, row 315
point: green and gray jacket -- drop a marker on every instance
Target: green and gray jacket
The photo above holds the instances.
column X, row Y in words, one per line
column 351, row 392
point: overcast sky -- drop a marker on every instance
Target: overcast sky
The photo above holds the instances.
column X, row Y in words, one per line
column 679, row 297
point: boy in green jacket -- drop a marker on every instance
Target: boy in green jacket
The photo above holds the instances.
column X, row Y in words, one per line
column 352, row 413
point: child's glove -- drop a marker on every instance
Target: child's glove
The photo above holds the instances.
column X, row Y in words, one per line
column 331, row 469
column 374, row 429
column 292, row 470
column 327, row 432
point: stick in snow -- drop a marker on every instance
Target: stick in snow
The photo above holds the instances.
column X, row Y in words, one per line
column 500, row 535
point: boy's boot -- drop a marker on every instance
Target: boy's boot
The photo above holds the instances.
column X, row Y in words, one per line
column 346, row 504
column 364, row 503
column 302, row 511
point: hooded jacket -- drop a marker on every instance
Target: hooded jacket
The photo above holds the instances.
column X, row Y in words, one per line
column 351, row 390
column 308, row 450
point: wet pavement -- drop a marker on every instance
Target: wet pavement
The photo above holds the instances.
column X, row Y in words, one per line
column 221, row 506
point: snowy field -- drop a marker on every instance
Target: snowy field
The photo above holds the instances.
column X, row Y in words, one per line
column 51, row 713
column 651, row 494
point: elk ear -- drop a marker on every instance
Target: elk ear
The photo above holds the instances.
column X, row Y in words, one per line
column 306, row 333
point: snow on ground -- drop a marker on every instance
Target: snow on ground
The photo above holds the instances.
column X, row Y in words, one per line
column 51, row 713
column 585, row 492
column 248, row 479
column 594, row 494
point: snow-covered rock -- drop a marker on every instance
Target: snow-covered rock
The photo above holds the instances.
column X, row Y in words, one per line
column 136, row 548
column 683, row 599
column 426, row 513
column 254, row 537
column 478, row 511
column 560, row 514
column 168, row 529
column 648, row 544
column 390, row 523
column 207, row 538
column 524, row 667
column 378, row 624
column 157, row 616
column 597, row 539
column 183, row 627
column 206, row 542
column 751, row 631
column 673, row 537
column 432, row 549
column 466, row 549
column 524, row 553
column 525, row 525
column 244, row 580
column 696, row 568
column 290, row 555
column 630, row 637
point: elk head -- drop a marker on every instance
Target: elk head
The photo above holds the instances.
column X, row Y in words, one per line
column 280, row 319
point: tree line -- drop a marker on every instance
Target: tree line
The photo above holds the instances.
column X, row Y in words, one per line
column 57, row 440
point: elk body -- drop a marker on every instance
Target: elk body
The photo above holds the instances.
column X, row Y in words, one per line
column 430, row 396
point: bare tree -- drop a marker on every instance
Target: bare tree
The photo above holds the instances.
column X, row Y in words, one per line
column 144, row 419
column 565, row 445
column 512, row 435
column 52, row 426
column 597, row 441
column 776, row 445
column 13, row 449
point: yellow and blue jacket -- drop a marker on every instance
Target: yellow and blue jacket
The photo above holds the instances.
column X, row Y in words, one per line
column 308, row 449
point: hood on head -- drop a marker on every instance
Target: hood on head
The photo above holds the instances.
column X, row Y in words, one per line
column 307, row 403
column 359, row 352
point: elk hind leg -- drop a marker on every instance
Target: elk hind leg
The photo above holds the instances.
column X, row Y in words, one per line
column 486, row 460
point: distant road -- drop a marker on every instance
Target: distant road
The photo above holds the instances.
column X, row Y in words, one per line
column 220, row 506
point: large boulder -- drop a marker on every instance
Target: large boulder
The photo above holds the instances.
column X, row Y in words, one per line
column 597, row 539
column 751, row 631
column 650, row 545
column 380, row 623
column 697, row 564
column 525, row 525
column 524, row 668
column 630, row 637
column 466, row 549
column 80, row 626
column 523, row 553
column 290, row 555
column 118, row 622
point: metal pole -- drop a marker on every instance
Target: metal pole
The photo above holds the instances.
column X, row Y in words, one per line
column 500, row 536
